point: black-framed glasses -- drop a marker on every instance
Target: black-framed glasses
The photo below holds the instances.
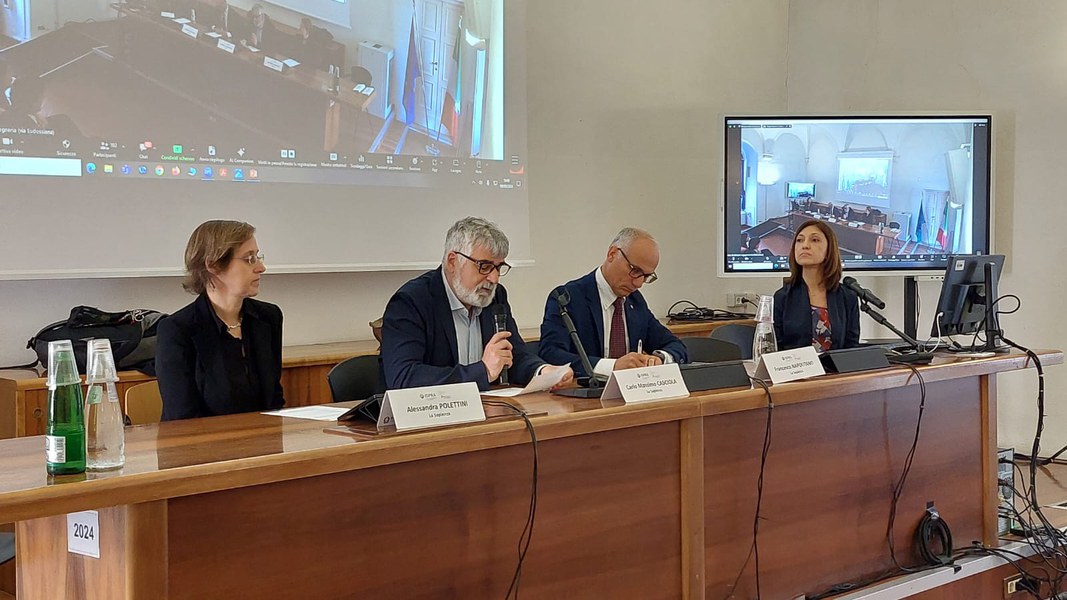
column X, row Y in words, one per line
column 486, row 267
column 636, row 272
column 252, row 259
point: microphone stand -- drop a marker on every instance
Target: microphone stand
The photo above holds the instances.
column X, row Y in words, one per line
column 881, row 320
column 594, row 390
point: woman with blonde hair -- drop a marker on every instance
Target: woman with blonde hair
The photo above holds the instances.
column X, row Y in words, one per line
column 221, row 354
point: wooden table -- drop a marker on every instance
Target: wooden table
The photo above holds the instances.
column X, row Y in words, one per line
column 24, row 395
column 854, row 237
column 646, row 501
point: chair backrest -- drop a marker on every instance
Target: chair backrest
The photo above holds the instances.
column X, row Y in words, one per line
column 361, row 75
column 355, row 378
column 7, row 547
column 143, row 403
column 739, row 334
column 706, row 349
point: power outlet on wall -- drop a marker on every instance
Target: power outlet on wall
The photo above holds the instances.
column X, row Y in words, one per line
column 734, row 299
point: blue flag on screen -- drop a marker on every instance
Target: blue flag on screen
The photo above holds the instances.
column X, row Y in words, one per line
column 410, row 75
column 920, row 224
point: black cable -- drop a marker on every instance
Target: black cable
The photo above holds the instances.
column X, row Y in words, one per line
column 527, row 531
column 700, row 313
column 932, row 528
column 762, row 471
column 898, row 489
column 754, row 548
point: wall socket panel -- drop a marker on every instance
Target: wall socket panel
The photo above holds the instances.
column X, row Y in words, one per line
column 738, row 298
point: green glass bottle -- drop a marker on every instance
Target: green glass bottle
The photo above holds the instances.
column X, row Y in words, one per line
column 65, row 432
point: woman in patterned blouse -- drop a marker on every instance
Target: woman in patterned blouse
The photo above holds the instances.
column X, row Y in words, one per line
column 813, row 307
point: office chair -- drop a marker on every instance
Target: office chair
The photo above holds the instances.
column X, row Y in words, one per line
column 739, row 335
column 7, row 547
column 143, row 403
column 361, row 75
column 355, row 378
column 706, row 349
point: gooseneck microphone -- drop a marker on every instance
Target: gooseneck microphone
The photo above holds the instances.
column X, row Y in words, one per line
column 500, row 323
column 561, row 296
column 865, row 294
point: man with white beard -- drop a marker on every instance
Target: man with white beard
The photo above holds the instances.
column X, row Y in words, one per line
column 438, row 328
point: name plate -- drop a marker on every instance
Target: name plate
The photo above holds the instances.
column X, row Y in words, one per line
column 83, row 533
column 166, row 14
column 226, row 46
column 273, row 63
column 190, row 31
column 431, row 406
column 789, row 365
column 661, row 382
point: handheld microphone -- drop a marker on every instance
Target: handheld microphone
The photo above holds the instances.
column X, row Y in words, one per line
column 865, row 294
column 561, row 296
column 500, row 323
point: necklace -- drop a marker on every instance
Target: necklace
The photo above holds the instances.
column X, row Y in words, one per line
column 232, row 327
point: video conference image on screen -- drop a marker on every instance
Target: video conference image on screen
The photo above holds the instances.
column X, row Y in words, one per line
column 900, row 193
column 253, row 91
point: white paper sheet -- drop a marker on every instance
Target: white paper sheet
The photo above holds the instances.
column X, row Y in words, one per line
column 544, row 381
column 315, row 413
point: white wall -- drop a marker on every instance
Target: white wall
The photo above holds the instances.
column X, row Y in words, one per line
column 965, row 55
column 625, row 105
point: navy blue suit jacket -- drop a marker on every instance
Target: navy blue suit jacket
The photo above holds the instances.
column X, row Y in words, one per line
column 419, row 339
column 556, row 345
column 792, row 317
column 189, row 363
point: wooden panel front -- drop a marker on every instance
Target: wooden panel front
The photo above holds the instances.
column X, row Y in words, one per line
column 828, row 484
column 607, row 526
column 131, row 564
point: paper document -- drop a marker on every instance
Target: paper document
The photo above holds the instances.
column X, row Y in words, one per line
column 367, row 91
column 167, row 15
column 359, row 87
column 213, row 34
column 182, row 21
column 505, row 392
column 544, row 381
column 290, row 62
column 315, row 413
column 251, row 48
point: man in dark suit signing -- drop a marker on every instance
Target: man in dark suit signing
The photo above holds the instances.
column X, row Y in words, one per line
column 438, row 328
column 612, row 319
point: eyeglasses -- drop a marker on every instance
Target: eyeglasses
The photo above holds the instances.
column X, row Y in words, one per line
column 252, row 259
column 636, row 272
column 486, row 267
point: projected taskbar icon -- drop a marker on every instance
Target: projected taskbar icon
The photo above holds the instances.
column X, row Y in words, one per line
column 208, row 172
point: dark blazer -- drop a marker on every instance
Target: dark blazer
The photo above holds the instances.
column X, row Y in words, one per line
column 792, row 317
column 189, row 364
column 419, row 339
column 557, row 348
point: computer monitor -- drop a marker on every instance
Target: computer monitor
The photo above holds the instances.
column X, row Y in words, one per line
column 968, row 294
column 901, row 192
column 795, row 190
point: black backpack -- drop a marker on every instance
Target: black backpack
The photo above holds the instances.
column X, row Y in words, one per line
column 132, row 334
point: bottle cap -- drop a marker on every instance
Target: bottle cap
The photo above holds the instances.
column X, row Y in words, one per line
column 101, row 362
column 765, row 310
column 62, row 369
